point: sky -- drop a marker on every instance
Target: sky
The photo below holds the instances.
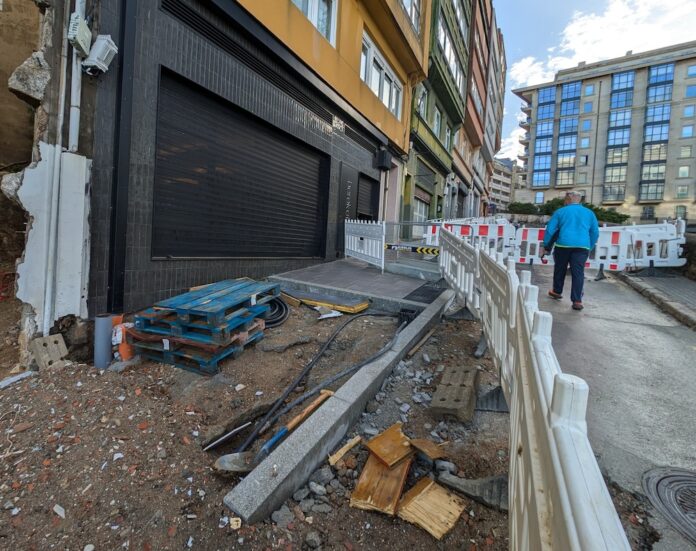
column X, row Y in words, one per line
column 544, row 36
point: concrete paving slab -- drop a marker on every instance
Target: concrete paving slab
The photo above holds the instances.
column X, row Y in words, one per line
column 289, row 466
column 455, row 395
column 640, row 365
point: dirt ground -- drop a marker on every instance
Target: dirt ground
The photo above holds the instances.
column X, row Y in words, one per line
column 114, row 459
column 10, row 310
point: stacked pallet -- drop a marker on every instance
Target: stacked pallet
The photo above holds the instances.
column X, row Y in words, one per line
column 199, row 329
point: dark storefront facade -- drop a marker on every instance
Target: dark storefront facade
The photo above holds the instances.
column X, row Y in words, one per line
column 217, row 154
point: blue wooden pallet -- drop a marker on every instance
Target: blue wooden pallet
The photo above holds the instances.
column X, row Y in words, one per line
column 191, row 358
column 219, row 302
column 168, row 324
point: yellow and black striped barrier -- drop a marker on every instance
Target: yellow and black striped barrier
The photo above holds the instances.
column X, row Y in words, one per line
column 432, row 251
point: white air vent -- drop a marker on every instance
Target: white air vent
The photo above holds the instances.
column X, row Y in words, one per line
column 101, row 55
column 79, row 34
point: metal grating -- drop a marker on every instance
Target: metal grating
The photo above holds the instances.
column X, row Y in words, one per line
column 672, row 492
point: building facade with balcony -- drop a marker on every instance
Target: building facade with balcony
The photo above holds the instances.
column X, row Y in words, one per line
column 501, row 185
column 622, row 132
column 431, row 189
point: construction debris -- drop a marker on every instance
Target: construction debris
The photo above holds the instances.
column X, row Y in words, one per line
column 456, row 393
column 491, row 491
column 336, row 457
column 431, row 507
column 49, row 351
column 379, row 487
column 391, row 446
column 429, row 448
column 345, row 305
column 420, row 343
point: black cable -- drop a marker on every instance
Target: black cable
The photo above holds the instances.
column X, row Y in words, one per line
column 302, row 375
column 278, row 313
column 327, row 382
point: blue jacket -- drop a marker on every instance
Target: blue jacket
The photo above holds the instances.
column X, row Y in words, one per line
column 573, row 226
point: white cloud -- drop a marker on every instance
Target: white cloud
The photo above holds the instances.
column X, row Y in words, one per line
column 637, row 25
column 511, row 147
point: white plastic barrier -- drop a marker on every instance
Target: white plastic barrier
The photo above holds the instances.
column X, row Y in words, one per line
column 365, row 240
column 558, row 499
column 499, row 235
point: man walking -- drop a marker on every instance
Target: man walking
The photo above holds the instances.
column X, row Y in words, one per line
column 574, row 231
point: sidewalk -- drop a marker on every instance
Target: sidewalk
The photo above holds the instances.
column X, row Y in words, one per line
column 640, row 365
column 673, row 293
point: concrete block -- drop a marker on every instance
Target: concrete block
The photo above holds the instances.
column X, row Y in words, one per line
column 49, row 351
column 291, row 464
column 456, row 394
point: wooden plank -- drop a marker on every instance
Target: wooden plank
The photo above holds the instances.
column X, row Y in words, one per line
column 391, row 446
column 335, row 458
column 292, row 301
column 379, row 487
column 431, row 507
column 340, row 304
column 429, row 448
column 420, row 342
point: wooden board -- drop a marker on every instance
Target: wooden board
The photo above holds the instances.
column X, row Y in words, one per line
column 340, row 304
column 429, row 448
column 379, row 487
column 391, row 446
column 431, row 507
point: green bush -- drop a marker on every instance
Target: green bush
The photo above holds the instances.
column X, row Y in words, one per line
column 606, row 215
column 552, row 206
column 522, row 208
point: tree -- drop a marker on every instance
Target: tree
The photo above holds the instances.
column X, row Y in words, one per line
column 606, row 215
column 522, row 208
column 551, row 206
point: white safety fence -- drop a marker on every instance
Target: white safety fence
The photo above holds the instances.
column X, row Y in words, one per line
column 558, row 498
column 365, row 240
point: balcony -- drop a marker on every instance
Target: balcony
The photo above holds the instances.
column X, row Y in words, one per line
column 524, row 156
column 651, row 192
column 526, row 123
column 526, row 108
column 524, row 140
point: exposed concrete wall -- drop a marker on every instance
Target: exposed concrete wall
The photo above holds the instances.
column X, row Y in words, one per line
column 19, row 32
column 690, row 269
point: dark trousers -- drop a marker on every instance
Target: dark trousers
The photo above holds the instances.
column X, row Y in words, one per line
column 576, row 258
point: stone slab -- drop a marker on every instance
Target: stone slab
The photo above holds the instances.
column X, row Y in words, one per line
column 290, row 465
column 455, row 395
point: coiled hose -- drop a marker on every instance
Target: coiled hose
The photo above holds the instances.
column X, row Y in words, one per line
column 278, row 313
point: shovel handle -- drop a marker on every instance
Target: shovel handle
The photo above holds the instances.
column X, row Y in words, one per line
column 306, row 412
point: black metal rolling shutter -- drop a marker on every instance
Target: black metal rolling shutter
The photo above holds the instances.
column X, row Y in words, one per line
column 228, row 185
column 368, row 198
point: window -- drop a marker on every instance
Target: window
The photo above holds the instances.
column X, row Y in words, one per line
column 547, row 94
column 423, row 103
column 322, row 14
column 584, row 143
column 648, row 213
column 691, row 71
column 619, row 81
column 682, row 191
column 565, row 177
column 680, row 212
column 420, row 212
column 565, row 160
column 543, row 145
column 541, row 178
column 568, row 125
column 621, row 99
column 684, row 171
column 581, row 178
column 658, row 113
column 615, row 174
column 477, row 97
column 566, row 143
column 570, row 108
column 542, row 162
column 691, row 91
column 684, row 151
column 656, row 132
column 587, row 107
column 661, row 73
column 586, row 125
column 655, row 152
column 437, row 122
column 449, row 52
column 413, row 8
column 660, row 93
column 571, row 90
column 688, row 111
column 614, row 193
column 544, row 128
column 584, row 160
column 621, row 117
column 589, row 90
column 545, row 111
column 461, row 19
column 539, row 198
column 654, row 171
column 687, row 131
column 375, row 72
column 619, row 137
column 616, row 155
column 652, row 192
column 448, row 138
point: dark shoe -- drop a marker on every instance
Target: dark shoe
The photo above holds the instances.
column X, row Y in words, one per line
column 554, row 295
column 577, row 306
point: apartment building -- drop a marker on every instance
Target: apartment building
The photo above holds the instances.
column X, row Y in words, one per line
column 622, row 132
column 501, row 184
